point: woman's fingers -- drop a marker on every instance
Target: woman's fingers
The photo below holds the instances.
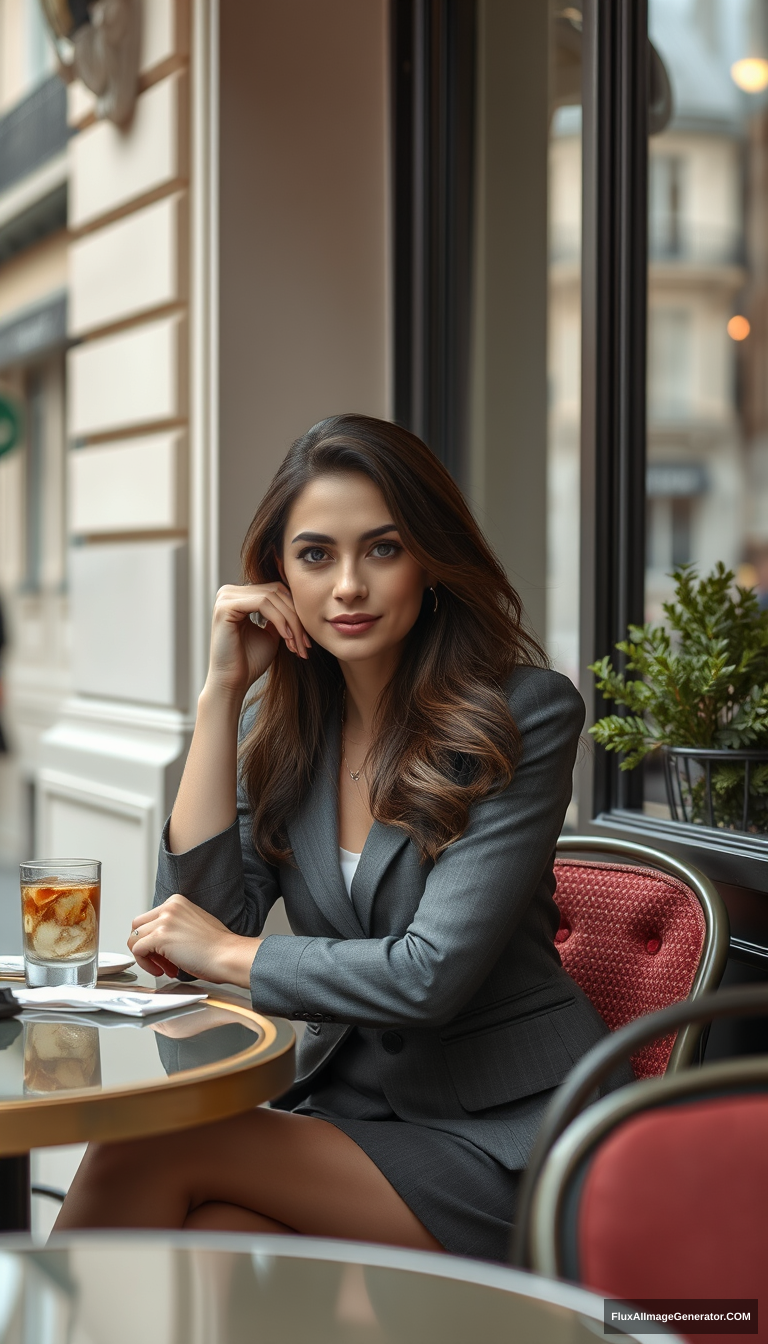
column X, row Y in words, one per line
column 179, row 933
column 285, row 622
column 154, row 963
column 272, row 602
column 158, row 966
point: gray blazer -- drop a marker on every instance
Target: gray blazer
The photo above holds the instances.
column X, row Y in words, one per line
column 453, row 962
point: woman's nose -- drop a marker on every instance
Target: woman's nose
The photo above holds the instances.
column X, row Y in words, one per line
column 349, row 583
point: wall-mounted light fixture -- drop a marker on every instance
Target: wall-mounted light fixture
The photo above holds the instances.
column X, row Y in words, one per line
column 750, row 73
column 97, row 41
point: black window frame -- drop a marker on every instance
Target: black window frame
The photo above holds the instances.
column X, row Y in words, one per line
column 433, row 46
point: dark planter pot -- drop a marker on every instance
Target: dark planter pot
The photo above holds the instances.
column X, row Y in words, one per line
column 723, row 788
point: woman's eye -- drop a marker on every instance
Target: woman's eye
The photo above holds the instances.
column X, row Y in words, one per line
column 313, row 555
column 384, row 549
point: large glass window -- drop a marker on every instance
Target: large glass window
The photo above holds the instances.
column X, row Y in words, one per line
column 707, row 467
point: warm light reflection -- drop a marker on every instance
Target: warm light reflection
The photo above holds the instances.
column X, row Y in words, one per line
column 738, row 328
column 751, row 74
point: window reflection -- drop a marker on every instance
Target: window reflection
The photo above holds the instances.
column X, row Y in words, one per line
column 707, row 473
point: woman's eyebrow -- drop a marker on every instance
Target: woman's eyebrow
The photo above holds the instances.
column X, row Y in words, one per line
column 324, row 540
column 378, row 531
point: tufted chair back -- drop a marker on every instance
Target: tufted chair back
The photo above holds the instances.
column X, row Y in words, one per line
column 633, row 938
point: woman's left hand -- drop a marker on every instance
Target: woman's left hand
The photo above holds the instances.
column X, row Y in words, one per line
column 179, row 935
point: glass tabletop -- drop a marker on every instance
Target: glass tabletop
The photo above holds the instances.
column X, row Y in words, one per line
column 56, row 1052
column 76, row 1077
column 114, row 1288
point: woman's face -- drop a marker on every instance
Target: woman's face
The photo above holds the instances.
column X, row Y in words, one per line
column 356, row 590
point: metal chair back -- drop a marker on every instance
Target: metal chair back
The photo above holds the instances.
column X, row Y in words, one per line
column 564, row 1111
column 674, row 1114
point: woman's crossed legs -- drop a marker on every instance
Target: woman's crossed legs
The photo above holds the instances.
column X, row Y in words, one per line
column 265, row 1171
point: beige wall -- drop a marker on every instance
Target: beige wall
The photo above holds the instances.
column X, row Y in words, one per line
column 509, row 425
column 304, row 326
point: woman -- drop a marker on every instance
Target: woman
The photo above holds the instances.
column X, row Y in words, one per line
column 405, row 768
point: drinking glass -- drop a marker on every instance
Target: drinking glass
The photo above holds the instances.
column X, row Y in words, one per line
column 60, row 901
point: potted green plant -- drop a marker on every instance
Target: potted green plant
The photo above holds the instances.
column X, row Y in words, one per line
column 695, row 687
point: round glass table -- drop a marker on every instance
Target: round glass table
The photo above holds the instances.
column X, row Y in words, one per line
column 113, row 1288
column 73, row 1077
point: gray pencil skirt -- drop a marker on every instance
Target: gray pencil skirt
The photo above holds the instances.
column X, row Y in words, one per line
column 461, row 1194
column 464, row 1197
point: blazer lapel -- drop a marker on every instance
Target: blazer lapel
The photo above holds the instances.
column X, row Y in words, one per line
column 314, row 838
column 380, row 848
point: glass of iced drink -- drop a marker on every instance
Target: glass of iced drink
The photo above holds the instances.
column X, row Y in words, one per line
column 60, row 900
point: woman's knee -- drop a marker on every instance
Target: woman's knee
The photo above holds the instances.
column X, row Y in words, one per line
column 127, row 1159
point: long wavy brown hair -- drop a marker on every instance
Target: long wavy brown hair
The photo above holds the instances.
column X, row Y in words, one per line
column 443, row 733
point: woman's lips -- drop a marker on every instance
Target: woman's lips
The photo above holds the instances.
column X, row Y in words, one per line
column 354, row 624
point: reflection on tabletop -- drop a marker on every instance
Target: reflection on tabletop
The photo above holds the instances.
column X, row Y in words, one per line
column 188, row 1022
column 59, row 1056
column 44, row 1052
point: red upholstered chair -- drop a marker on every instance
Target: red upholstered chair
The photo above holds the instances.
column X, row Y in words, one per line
column 637, row 938
column 659, row 1190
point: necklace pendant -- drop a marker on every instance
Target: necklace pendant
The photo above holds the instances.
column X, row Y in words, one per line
column 356, row 774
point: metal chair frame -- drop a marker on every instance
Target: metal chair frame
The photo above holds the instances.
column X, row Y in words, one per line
column 539, row 1239
column 718, row 932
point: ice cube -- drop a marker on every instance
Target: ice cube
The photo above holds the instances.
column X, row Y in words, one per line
column 53, row 940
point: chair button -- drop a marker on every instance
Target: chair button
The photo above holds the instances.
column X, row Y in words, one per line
column 652, row 946
column 562, row 933
column 392, row 1042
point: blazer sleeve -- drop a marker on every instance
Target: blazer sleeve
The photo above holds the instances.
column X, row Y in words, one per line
column 223, row 875
column 474, row 897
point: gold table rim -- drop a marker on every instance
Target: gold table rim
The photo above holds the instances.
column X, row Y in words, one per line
column 182, row 1100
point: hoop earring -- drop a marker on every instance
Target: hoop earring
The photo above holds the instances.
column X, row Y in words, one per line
column 434, row 594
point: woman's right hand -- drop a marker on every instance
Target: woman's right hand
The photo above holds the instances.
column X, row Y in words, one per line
column 241, row 651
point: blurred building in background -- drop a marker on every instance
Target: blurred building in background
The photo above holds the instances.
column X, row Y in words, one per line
column 33, row 338
column 707, row 449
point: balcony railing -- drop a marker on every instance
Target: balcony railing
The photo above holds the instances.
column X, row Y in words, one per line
column 689, row 243
column 694, row 242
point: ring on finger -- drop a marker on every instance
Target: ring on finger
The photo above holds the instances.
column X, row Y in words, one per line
column 258, row 619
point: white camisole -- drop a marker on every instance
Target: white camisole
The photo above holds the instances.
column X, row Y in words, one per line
column 348, row 863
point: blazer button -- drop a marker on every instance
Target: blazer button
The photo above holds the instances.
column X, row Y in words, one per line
column 392, row 1042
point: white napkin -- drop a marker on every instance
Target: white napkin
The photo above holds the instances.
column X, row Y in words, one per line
column 80, row 1000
